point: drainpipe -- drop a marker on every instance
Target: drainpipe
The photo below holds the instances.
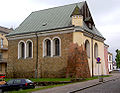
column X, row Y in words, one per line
column 36, row 67
column 92, row 54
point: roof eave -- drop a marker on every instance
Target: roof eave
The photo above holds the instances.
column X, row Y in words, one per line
column 38, row 31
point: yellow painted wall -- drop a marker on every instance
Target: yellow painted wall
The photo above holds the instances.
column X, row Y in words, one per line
column 102, row 69
column 5, row 41
column 4, row 52
column 77, row 20
column 79, row 38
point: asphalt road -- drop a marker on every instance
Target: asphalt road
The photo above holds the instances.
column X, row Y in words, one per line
column 108, row 87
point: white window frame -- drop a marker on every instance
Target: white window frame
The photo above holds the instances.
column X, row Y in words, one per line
column 44, row 49
column 19, row 49
column 56, row 37
column 88, row 54
column 95, row 53
column 27, row 47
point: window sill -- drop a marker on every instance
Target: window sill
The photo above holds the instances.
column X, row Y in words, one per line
column 21, row 58
column 29, row 57
column 51, row 56
column 56, row 56
column 47, row 56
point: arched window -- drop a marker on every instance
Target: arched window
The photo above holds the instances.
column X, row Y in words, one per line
column 56, row 47
column 87, row 48
column 21, row 50
column 47, row 47
column 96, row 50
column 29, row 49
column 110, row 67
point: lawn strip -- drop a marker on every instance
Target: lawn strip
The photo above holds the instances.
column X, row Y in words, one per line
column 51, row 86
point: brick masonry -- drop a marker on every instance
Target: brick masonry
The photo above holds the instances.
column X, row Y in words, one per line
column 20, row 67
column 47, row 66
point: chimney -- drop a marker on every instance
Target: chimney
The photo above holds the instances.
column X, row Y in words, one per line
column 77, row 18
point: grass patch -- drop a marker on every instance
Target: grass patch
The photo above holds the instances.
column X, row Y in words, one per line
column 44, row 79
column 57, row 79
column 96, row 77
column 7, row 79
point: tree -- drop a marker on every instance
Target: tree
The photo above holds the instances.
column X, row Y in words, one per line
column 77, row 64
column 117, row 59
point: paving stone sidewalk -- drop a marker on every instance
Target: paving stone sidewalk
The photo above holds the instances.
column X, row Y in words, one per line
column 72, row 88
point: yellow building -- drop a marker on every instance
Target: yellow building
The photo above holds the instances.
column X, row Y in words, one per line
column 3, row 49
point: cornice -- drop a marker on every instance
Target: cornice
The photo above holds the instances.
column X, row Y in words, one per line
column 45, row 33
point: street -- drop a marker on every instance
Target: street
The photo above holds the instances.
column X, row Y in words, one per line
column 108, row 87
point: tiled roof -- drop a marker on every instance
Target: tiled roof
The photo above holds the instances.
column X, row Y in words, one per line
column 52, row 18
column 5, row 30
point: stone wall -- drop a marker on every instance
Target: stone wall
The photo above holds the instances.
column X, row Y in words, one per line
column 47, row 66
column 20, row 67
column 54, row 66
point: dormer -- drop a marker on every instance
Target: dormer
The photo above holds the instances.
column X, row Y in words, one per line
column 77, row 18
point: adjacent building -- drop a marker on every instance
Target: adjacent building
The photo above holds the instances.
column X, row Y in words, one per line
column 110, row 61
column 114, row 65
column 39, row 46
column 3, row 49
column 106, row 57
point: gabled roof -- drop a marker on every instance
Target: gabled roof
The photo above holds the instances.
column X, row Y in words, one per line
column 53, row 18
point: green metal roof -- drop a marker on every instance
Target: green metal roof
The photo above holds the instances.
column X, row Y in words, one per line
column 57, row 17
column 47, row 19
column 93, row 30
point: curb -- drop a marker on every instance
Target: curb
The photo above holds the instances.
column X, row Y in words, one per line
column 85, row 88
column 92, row 85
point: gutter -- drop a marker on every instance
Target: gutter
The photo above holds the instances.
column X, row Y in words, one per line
column 36, row 67
column 92, row 55
column 38, row 31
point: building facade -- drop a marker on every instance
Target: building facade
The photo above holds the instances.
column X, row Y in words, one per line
column 41, row 42
column 3, row 49
column 106, row 57
column 110, row 61
column 114, row 65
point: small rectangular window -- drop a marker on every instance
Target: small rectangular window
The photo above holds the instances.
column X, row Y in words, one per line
column 90, row 25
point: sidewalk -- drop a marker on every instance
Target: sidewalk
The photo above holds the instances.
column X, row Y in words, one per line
column 71, row 88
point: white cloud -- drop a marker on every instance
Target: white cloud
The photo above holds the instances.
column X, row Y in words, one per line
column 13, row 12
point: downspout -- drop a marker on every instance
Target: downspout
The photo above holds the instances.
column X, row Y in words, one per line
column 36, row 67
column 92, row 55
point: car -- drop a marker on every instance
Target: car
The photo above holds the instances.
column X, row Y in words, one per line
column 17, row 84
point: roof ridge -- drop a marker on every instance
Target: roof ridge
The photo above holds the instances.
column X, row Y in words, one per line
column 59, row 6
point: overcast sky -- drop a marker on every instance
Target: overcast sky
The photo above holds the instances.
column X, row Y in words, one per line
column 105, row 13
